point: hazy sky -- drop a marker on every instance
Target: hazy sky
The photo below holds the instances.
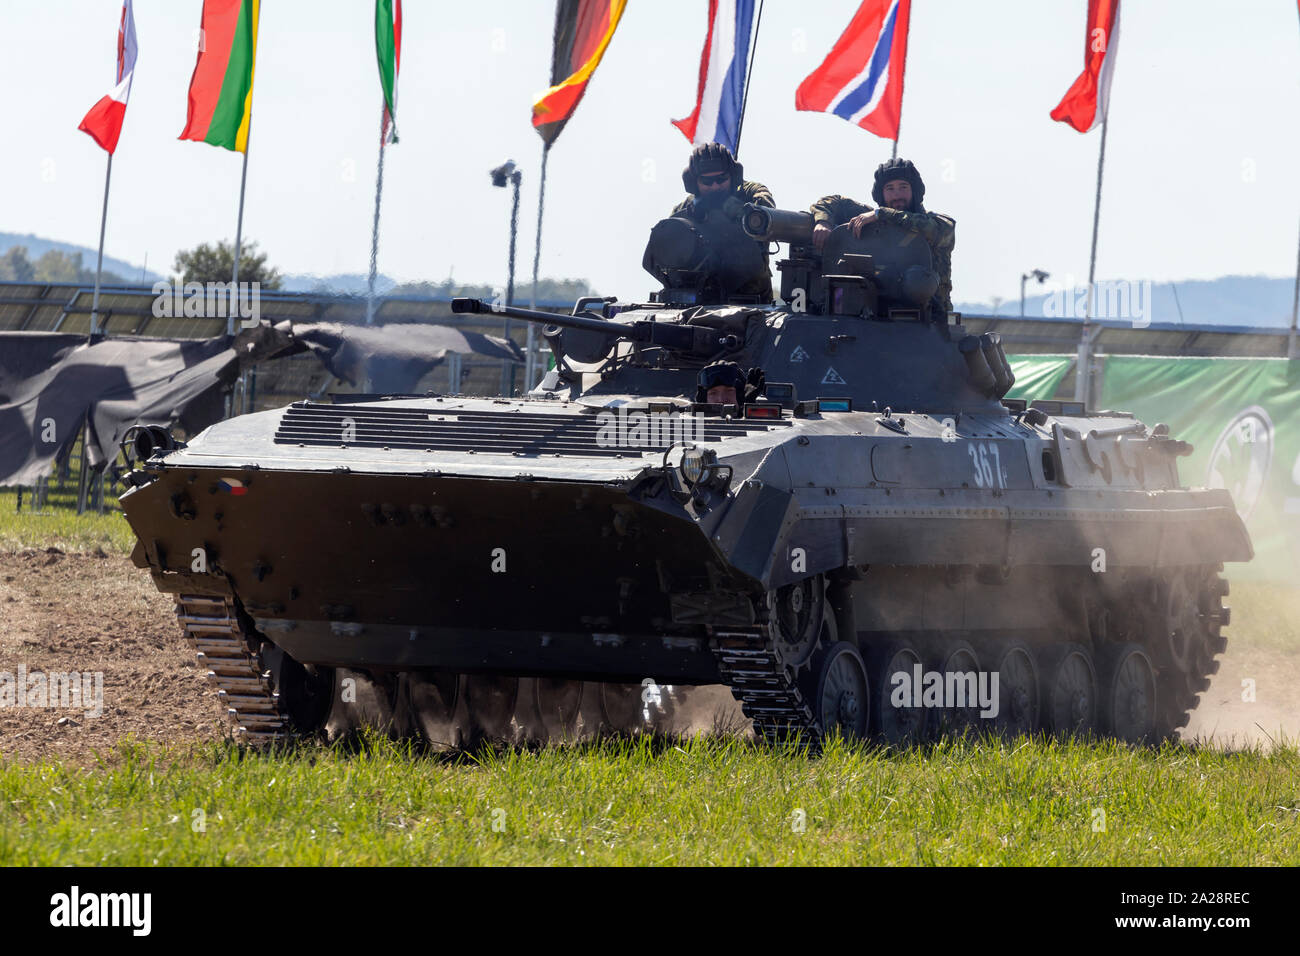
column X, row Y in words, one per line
column 1201, row 160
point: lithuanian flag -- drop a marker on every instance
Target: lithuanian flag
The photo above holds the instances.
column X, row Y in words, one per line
column 221, row 90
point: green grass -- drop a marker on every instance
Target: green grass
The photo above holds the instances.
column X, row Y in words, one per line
column 1266, row 614
column 652, row 802
column 64, row 528
column 704, row 801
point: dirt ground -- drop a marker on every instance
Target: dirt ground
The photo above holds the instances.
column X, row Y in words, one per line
column 96, row 612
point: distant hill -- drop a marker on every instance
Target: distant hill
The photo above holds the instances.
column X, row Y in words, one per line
column 347, row 283
column 1229, row 300
column 37, row 247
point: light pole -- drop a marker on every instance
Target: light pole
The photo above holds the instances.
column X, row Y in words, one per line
column 508, row 172
column 1038, row 274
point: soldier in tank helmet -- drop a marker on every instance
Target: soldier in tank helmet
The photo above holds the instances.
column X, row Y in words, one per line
column 898, row 191
column 716, row 181
column 723, row 383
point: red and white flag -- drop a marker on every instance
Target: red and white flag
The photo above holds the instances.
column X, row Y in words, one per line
column 104, row 121
column 1086, row 102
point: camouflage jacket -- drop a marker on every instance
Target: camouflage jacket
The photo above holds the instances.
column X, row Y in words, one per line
column 748, row 192
column 940, row 232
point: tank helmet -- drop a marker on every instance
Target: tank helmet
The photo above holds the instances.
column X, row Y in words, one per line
column 720, row 373
column 710, row 158
column 898, row 169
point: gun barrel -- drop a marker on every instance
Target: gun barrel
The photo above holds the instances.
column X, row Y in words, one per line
column 588, row 322
column 777, row 225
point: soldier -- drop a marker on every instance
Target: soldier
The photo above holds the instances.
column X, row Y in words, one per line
column 716, row 182
column 723, row 383
column 898, row 191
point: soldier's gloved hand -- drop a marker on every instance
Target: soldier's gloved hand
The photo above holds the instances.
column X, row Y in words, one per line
column 733, row 207
column 821, row 232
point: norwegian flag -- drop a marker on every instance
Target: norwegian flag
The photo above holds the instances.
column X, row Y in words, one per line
column 1086, row 102
column 861, row 79
column 104, row 121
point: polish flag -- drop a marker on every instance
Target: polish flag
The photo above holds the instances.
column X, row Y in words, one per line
column 1086, row 102
column 104, row 121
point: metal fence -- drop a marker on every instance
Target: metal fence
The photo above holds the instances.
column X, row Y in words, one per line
column 131, row 311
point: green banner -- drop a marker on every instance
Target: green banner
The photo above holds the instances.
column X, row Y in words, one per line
column 1037, row 376
column 1241, row 415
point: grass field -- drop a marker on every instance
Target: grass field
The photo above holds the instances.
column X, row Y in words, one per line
column 62, row 528
column 711, row 800
column 645, row 801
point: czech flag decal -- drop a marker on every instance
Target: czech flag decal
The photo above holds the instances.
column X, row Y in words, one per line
column 232, row 485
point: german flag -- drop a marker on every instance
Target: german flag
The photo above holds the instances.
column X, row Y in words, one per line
column 221, row 90
column 583, row 29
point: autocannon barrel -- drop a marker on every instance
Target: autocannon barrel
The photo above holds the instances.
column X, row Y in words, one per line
column 591, row 324
column 696, row 339
column 777, row 225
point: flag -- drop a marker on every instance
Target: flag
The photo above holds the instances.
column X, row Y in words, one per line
column 583, row 29
column 861, row 79
column 388, row 46
column 104, row 121
column 723, row 65
column 1086, row 102
column 221, row 90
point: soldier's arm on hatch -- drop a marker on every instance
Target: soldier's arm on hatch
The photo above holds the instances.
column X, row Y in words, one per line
column 939, row 231
column 832, row 211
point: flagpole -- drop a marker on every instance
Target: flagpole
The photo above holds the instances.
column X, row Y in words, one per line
column 374, row 230
column 239, row 225
column 749, row 72
column 1295, row 299
column 1295, row 307
column 1082, row 372
column 531, row 351
column 245, row 377
column 99, row 261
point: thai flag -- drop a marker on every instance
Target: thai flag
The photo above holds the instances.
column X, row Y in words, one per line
column 1086, row 102
column 104, row 121
column 861, row 79
column 723, row 64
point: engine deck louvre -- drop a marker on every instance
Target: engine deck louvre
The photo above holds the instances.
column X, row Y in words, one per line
column 485, row 432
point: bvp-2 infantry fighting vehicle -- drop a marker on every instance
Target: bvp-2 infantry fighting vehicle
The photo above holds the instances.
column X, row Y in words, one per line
column 860, row 543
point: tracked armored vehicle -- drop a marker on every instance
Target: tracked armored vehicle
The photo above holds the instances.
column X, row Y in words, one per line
column 872, row 513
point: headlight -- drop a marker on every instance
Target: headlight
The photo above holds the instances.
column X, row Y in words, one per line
column 692, row 465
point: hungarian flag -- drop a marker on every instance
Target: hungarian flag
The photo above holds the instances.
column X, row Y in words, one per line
column 221, row 90
column 1086, row 102
column 104, row 121
column 721, row 93
column 388, row 46
column 583, row 29
column 861, row 79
